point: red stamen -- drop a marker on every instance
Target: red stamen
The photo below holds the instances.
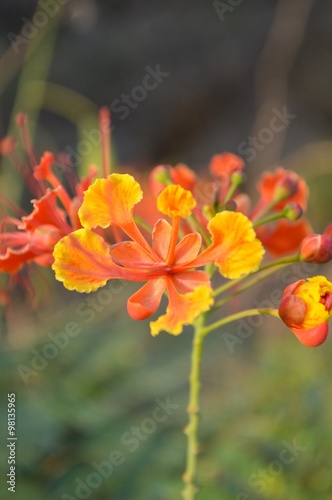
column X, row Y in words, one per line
column 105, row 136
column 21, row 122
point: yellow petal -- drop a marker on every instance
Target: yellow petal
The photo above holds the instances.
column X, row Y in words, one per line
column 82, row 261
column 312, row 291
column 176, row 201
column 235, row 249
column 239, row 252
column 182, row 310
column 110, row 201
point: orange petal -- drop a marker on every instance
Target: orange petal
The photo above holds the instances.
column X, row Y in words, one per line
column 46, row 212
column 14, row 259
column 235, row 248
column 110, row 201
column 189, row 280
column 184, row 176
column 182, row 309
column 44, row 169
column 131, row 254
column 146, row 301
column 83, row 262
column 187, row 249
column 175, row 201
column 161, row 237
column 312, row 337
column 225, row 164
column 284, row 237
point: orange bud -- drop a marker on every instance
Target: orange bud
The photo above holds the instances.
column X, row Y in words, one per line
column 292, row 310
column 316, row 248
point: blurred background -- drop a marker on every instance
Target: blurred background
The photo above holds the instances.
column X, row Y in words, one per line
column 184, row 81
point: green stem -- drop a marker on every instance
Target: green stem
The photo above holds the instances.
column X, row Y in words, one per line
column 278, row 264
column 239, row 315
column 270, row 218
column 249, row 284
column 189, row 478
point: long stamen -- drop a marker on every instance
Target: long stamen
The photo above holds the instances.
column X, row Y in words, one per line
column 21, row 121
column 105, row 136
column 173, row 242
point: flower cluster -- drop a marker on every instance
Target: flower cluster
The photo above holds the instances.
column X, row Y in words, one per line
column 173, row 239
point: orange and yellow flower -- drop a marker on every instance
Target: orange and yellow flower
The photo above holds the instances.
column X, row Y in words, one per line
column 84, row 261
column 306, row 307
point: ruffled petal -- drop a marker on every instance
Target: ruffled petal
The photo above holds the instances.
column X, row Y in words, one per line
column 110, row 201
column 46, row 212
column 187, row 249
column 235, row 248
column 13, row 259
column 182, row 309
column 161, row 237
column 175, row 201
column 146, row 301
column 82, row 261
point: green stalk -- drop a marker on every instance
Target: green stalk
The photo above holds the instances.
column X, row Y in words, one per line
column 239, row 315
column 278, row 264
column 189, row 478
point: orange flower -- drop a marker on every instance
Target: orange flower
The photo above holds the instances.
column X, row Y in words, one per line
column 306, row 307
column 84, row 261
column 225, row 164
column 283, row 237
column 278, row 189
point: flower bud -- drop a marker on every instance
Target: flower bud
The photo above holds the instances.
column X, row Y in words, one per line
column 292, row 310
column 316, row 248
column 230, row 205
column 293, row 211
column 285, row 188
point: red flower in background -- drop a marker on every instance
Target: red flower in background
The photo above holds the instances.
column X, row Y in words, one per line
column 32, row 237
column 277, row 190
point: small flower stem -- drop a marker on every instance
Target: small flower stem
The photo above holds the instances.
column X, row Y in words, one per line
column 276, row 264
column 239, row 315
column 270, row 218
column 189, row 477
column 249, row 284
